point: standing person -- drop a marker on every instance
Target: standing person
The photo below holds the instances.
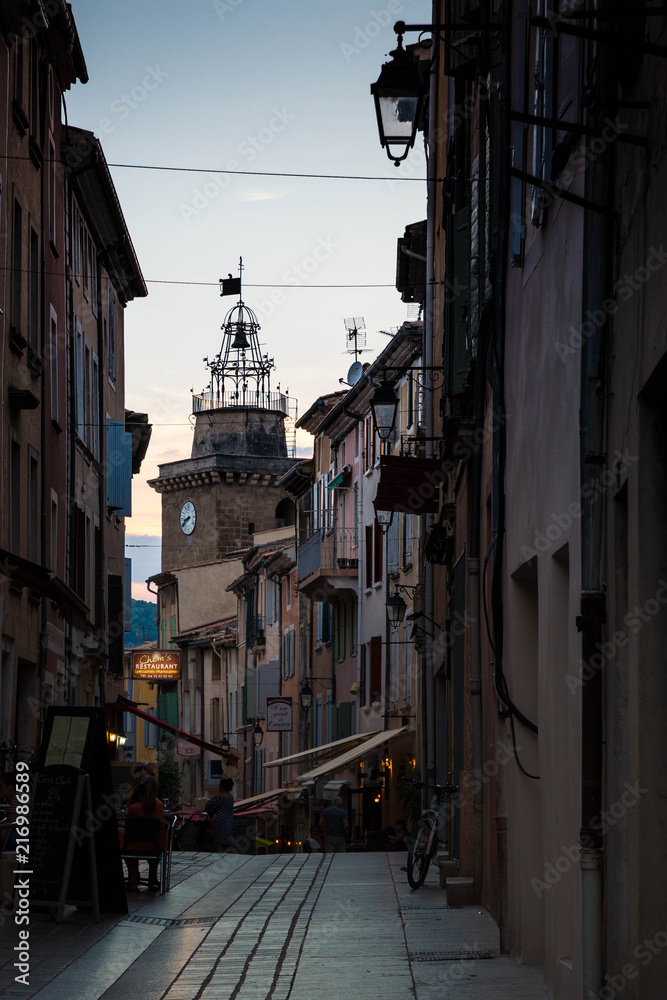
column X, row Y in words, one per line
column 335, row 827
column 221, row 810
column 146, row 805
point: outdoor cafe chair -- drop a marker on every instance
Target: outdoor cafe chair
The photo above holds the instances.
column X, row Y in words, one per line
column 150, row 831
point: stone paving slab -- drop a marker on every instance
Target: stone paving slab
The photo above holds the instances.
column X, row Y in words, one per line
column 275, row 927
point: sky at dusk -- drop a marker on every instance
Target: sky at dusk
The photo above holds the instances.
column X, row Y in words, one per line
column 247, row 85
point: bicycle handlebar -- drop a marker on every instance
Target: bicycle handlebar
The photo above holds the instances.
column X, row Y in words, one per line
column 447, row 789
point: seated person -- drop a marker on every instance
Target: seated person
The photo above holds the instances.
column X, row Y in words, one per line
column 139, row 771
column 146, row 806
column 396, row 838
column 313, row 845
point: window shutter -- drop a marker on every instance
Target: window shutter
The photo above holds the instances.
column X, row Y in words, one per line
column 392, row 546
column 128, row 595
column 458, row 294
column 252, row 700
column 119, row 468
column 167, row 707
column 268, row 684
column 375, row 679
column 344, row 719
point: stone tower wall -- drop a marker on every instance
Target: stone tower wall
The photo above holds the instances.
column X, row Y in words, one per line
column 225, row 511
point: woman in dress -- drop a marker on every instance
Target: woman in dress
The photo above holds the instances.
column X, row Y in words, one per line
column 146, row 805
column 221, row 810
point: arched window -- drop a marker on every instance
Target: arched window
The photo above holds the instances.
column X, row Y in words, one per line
column 285, row 513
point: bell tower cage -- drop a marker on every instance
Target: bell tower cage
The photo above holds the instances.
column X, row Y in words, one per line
column 240, row 372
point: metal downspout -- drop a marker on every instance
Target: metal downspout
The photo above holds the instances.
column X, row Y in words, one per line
column 428, row 660
column 474, row 603
column 500, row 129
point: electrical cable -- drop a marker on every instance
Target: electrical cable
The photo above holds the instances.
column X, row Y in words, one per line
column 500, row 681
column 207, row 284
column 535, row 777
column 487, row 623
column 245, row 173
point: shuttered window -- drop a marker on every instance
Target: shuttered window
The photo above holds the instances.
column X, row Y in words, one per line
column 119, row 468
column 375, row 672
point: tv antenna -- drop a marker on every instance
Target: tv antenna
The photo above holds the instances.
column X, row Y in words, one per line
column 355, row 340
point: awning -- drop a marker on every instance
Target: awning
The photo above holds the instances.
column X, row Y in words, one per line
column 345, row 759
column 332, row 789
column 288, row 793
column 128, row 706
column 318, row 751
column 337, row 480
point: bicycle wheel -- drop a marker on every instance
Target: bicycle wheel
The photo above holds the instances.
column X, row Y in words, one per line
column 418, row 856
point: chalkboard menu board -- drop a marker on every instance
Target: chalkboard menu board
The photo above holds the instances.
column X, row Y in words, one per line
column 62, row 852
column 75, row 742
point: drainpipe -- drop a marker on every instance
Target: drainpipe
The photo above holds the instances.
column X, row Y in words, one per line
column 45, row 506
column 500, row 194
column 474, row 604
column 387, row 633
column 597, row 274
column 428, row 687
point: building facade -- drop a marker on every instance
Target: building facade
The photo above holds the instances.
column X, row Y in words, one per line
column 544, row 277
column 69, row 270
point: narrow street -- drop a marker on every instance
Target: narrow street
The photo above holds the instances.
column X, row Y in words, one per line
column 278, row 927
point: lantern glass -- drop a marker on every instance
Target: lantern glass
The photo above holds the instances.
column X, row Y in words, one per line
column 396, row 608
column 398, row 114
column 306, row 697
column 399, row 95
column 384, row 406
column 384, row 517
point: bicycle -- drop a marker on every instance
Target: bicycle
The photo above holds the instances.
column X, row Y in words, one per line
column 425, row 842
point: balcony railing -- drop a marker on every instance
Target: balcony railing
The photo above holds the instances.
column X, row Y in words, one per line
column 335, row 549
column 245, row 399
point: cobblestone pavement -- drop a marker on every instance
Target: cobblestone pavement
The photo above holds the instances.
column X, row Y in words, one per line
column 275, row 927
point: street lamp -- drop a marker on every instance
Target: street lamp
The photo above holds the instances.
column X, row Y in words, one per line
column 306, row 696
column 384, row 518
column 224, row 744
column 399, row 93
column 396, row 608
column 384, row 405
column 257, row 735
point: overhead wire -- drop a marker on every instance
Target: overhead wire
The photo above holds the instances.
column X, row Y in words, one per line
column 247, row 173
column 208, row 284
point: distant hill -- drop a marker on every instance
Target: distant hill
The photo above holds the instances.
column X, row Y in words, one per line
column 144, row 626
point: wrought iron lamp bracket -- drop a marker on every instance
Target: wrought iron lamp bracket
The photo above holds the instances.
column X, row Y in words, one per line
column 429, row 377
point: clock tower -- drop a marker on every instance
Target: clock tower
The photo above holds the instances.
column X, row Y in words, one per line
column 214, row 501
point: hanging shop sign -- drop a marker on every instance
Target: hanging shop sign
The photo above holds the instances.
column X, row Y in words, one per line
column 279, row 715
column 156, row 664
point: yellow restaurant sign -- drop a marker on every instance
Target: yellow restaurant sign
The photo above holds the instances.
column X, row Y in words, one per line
column 156, row 664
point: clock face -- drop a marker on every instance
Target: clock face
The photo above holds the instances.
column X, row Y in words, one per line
column 188, row 517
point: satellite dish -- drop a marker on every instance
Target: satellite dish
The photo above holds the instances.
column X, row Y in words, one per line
column 355, row 372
